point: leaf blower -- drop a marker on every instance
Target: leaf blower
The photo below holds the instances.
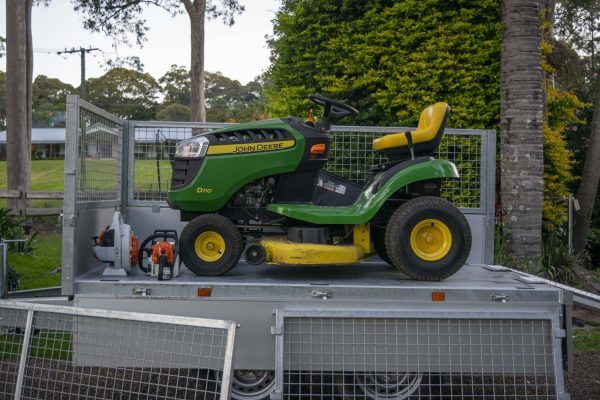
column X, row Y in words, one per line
column 116, row 245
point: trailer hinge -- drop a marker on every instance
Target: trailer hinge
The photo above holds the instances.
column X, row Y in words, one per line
column 70, row 220
column 142, row 291
column 276, row 330
column 276, row 395
column 560, row 333
column 323, row 295
column 500, row 298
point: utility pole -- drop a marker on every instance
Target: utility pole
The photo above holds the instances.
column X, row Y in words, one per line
column 82, row 53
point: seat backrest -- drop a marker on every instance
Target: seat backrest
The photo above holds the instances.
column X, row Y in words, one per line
column 426, row 137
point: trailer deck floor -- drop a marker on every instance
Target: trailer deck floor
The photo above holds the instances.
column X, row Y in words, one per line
column 369, row 275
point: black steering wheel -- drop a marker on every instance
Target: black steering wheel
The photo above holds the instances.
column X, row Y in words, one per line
column 333, row 109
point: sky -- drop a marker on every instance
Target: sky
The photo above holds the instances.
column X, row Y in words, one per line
column 239, row 52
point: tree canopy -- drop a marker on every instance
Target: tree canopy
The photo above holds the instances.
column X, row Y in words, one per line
column 125, row 93
column 121, row 18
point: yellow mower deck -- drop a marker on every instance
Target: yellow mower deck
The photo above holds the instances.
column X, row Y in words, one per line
column 281, row 251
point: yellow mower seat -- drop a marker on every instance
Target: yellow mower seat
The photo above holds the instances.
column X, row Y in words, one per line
column 426, row 137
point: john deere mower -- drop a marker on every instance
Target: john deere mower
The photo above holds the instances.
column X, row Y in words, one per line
column 262, row 186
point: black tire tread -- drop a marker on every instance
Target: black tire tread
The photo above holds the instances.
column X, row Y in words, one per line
column 230, row 233
column 378, row 237
column 403, row 213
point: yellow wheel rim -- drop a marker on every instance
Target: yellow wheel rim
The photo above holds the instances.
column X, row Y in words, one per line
column 209, row 246
column 431, row 240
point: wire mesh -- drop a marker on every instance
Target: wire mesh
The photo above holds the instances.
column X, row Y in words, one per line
column 403, row 358
column 99, row 157
column 74, row 356
column 154, row 149
column 12, row 328
column 352, row 155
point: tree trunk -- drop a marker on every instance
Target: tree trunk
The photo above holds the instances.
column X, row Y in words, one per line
column 521, row 123
column 586, row 195
column 197, row 13
column 19, row 68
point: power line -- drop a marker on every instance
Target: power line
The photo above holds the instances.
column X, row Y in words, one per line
column 82, row 52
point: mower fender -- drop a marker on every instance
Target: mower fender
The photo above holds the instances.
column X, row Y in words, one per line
column 373, row 197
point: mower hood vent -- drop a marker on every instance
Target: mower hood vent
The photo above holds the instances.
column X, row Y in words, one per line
column 248, row 135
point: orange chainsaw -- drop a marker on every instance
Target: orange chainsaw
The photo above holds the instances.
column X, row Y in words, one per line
column 158, row 255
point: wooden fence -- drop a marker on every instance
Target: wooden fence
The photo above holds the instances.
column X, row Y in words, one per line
column 33, row 195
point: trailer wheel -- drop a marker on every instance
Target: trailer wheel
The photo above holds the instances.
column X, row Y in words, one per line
column 378, row 236
column 210, row 244
column 250, row 384
column 390, row 386
column 428, row 239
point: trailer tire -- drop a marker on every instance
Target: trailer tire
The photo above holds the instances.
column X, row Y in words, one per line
column 428, row 238
column 210, row 244
column 370, row 386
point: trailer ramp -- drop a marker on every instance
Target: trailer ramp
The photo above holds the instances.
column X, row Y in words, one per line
column 580, row 297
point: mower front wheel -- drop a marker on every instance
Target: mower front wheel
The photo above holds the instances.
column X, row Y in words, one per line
column 210, row 244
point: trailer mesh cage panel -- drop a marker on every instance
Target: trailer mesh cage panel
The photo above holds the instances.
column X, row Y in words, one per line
column 416, row 358
column 351, row 157
column 99, row 157
column 153, row 151
column 93, row 354
column 12, row 328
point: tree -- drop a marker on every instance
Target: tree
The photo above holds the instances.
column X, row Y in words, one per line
column 578, row 22
column 49, row 101
column 2, row 100
column 176, row 86
column 226, row 99
column 2, row 46
column 19, row 70
column 390, row 59
column 521, row 123
column 119, row 18
column 174, row 112
column 229, row 100
column 125, row 93
column 50, row 90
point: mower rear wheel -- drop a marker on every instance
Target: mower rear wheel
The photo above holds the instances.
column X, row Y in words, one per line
column 378, row 236
column 210, row 244
column 428, row 238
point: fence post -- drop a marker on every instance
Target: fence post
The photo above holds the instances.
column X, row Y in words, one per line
column 3, row 270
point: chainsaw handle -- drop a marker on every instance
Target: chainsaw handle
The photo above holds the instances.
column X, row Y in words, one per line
column 166, row 233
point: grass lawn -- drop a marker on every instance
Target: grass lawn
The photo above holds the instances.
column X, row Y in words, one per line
column 586, row 339
column 48, row 175
column 36, row 270
column 52, row 345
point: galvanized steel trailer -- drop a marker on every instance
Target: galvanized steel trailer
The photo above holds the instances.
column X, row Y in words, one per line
column 361, row 331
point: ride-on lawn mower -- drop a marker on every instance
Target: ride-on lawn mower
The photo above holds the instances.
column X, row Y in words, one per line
column 262, row 184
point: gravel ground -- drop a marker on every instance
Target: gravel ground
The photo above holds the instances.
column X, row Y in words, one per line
column 584, row 382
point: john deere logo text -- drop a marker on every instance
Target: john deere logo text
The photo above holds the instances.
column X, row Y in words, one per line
column 203, row 190
column 250, row 147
